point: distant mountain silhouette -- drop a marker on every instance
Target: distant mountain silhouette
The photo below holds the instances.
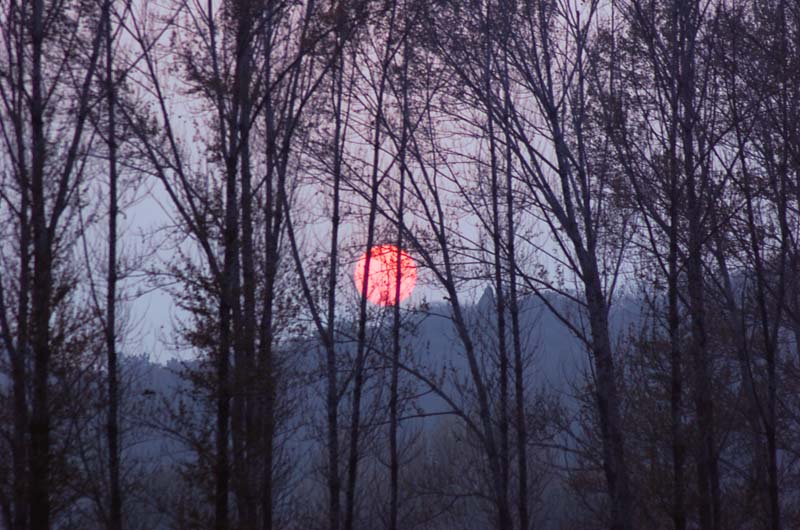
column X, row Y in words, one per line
column 559, row 361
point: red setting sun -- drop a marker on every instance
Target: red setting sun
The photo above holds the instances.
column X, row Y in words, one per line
column 382, row 284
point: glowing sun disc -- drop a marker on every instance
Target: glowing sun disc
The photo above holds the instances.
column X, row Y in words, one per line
column 382, row 283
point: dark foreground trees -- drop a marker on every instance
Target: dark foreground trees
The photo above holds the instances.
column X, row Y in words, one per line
column 623, row 172
column 51, row 56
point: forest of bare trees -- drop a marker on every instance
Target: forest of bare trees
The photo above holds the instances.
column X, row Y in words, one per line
column 602, row 199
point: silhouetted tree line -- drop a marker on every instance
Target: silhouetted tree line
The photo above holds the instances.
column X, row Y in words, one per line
column 579, row 157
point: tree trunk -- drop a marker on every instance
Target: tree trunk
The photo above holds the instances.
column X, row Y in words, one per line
column 676, row 373
column 513, row 309
column 272, row 228
column 228, row 301
column 41, row 285
column 244, row 430
column 332, row 398
column 20, row 351
column 608, row 404
column 115, row 519
column 673, row 324
column 394, row 457
column 504, row 520
column 361, row 340
column 500, row 308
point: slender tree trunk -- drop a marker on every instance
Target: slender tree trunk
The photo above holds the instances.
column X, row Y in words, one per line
column 608, row 405
column 228, row 279
column 272, row 225
column 504, row 519
column 513, row 309
column 753, row 409
column 769, row 336
column 112, row 429
column 707, row 473
column 361, row 340
column 266, row 387
column 222, row 470
column 606, row 391
column 332, row 400
column 673, row 324
column 676, row 373
column 574, row 208
column 707, row 466
column 19, row 354
column 701, row 391
column 394, row 458
column 780, row 191
column 228, row 314
column 503, row 511
column 19, row 373
column 707, row 476
column 237, row 328
column 267, row 391
column 45, row 230
column 245, row 367
column 519, row 367
column 41, row 286
column 267, row 394
column 436, row 217
column 394, row 462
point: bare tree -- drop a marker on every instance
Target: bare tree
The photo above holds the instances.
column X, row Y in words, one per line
column 759, row 165
column 394, row 456
column 47, row 171
column 553, row 76
column 256, row 63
